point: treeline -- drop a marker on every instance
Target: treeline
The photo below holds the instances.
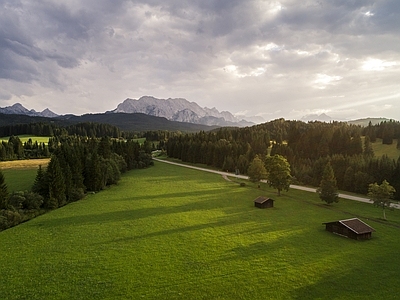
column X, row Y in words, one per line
column 387, row 131
column 15, row 149
column 78, row 165
column 307, row 147
column 88, row 129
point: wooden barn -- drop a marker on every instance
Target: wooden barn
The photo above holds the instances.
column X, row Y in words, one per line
column 263, row 202
column 351, row 228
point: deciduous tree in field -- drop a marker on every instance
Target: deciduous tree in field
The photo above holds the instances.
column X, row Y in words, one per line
column 256, row 170
column 381, row 195
column 278, row 172
column 327, row 190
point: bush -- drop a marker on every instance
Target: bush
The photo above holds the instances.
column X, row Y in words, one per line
column 25, row 200
column 76, row 194
column 9, row 218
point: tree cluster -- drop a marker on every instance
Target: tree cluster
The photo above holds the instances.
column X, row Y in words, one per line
column 15, row 149
column 274, row 169
column 88, row 129
column 228, row 148
column 308, row 147
column 387, row 131
column 77, row 165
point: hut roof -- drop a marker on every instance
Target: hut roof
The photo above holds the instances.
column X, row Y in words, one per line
column 261, row 199
column 356, row 225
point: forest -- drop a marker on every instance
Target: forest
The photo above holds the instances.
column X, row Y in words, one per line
column 89, row 129
column 78, row 165
column 307, row 147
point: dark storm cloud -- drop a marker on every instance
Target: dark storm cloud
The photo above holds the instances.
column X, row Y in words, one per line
column 239, row 53
column 20, row 54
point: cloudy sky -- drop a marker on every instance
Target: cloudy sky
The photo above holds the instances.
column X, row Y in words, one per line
column 274, row 59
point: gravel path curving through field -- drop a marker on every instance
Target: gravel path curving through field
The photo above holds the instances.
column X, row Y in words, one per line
column 226, row 176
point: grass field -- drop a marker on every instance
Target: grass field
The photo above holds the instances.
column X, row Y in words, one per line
column 20, row 174
column 390, row 150
column 173, row 233
column 25, row 137
column 19, row 180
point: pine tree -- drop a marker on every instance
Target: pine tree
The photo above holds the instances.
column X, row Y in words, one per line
column 368, row 151
column 328, row 190
column 93, row 173
column 3, row 192
column 40, row 186
column 56, row 184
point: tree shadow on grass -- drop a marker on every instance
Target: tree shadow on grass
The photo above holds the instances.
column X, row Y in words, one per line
column 362, row 281
column 266, row 248
column 210, row 200
column 156, row 196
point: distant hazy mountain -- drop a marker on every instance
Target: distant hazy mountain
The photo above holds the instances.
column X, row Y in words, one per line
column 316, row 117
column 253, row 119
column 18, row 109
column 179, row 110
column 365, row 122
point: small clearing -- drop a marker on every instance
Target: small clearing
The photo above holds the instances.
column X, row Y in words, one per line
column 24, row 164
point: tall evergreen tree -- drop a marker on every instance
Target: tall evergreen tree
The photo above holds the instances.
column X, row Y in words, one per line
column 327, row 189
column 56, row 184
column 3, row 192
column 92, row 174
column 368, row 151
column 41, row 186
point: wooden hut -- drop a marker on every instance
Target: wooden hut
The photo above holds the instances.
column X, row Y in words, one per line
column 263, row 202
column 351, row 228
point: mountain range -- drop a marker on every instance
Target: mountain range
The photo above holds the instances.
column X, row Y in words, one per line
column 172, row 110
column 18, row 109
column 180, row 110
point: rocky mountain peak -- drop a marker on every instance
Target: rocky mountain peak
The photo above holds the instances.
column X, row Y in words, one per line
column 19, row 109
column 179, row 109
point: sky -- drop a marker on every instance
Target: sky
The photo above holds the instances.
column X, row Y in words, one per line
column 271, row 59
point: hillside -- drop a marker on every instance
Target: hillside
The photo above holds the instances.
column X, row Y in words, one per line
column 137, row 122
column 13, row 119
column 126, row 122
column 365, row 122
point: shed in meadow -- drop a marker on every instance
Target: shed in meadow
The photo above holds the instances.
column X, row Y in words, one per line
column 263, row 202
column 352, row 228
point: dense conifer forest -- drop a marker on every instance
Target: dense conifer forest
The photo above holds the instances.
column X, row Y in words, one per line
column 78, row 165
column 308, row 147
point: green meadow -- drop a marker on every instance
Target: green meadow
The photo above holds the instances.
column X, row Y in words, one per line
column 19, row 179
column 20, row 174
column 25, row 137
column 168, row 232
column 390, row 150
